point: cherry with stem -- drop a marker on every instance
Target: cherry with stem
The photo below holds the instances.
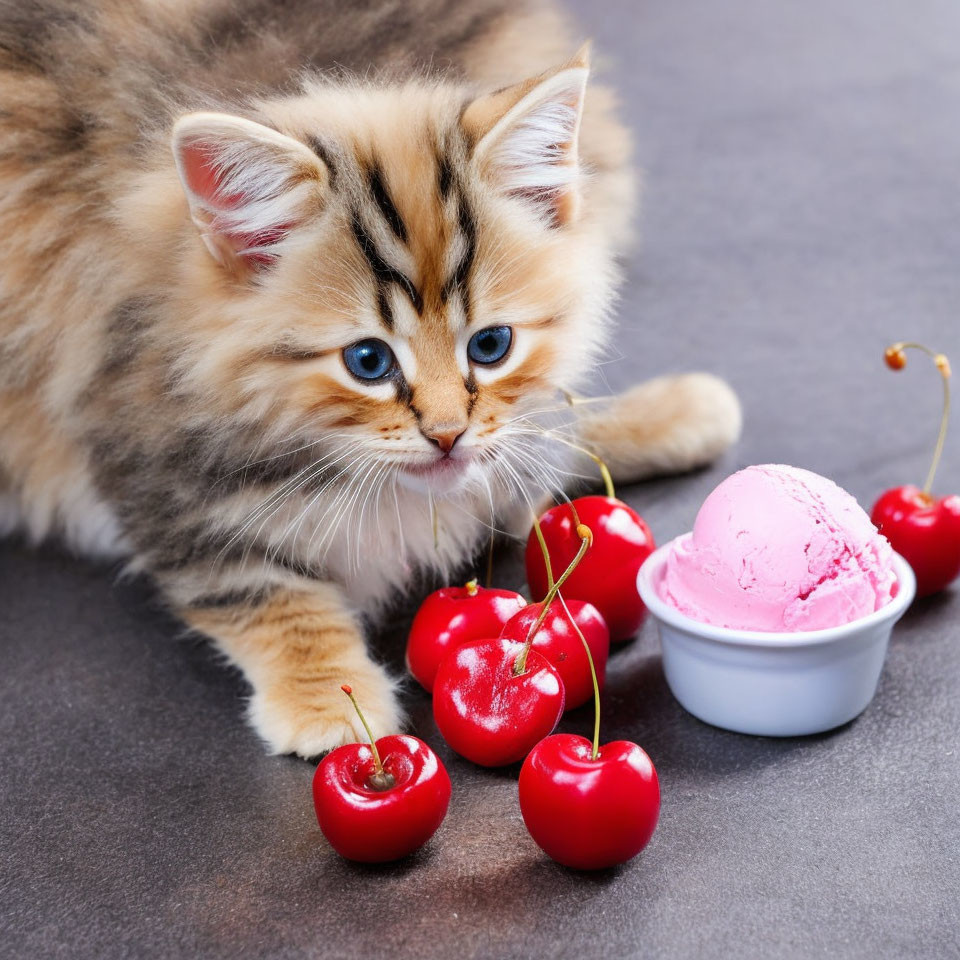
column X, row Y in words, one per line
column 494, row 699
column 381, row 801
column 925, row 530
column 587, row 806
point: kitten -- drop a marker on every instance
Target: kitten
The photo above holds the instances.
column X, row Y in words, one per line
column 282, row 284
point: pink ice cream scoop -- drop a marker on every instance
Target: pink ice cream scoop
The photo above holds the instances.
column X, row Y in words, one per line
column 775, row 549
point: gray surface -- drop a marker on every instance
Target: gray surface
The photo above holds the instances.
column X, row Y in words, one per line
column 801, row 209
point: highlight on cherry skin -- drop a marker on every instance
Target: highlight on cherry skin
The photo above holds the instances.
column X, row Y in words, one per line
column 452, row 616
column 382, row 800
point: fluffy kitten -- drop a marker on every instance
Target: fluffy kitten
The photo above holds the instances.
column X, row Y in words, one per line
column 281, row 281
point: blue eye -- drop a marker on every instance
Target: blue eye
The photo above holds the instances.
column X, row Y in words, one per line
column 490, row 344
column 368, row 359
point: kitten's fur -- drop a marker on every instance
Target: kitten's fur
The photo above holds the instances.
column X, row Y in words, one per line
column 202, row 202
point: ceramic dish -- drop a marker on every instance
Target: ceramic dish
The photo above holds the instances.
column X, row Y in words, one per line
column 773, row 684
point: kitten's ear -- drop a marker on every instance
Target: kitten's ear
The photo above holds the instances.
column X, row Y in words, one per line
column 525, row 138
column 247, row 185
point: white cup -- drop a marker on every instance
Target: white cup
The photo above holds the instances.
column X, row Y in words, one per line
column 773, row 684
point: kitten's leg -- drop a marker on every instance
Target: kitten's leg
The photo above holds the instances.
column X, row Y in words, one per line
column 296, row 648
column 666, row 425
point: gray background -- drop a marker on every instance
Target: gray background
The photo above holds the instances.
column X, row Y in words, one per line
column 802, row 208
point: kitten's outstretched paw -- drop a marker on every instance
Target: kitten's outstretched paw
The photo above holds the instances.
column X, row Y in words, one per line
column 666, row 425
column 710, row 415
column 311, row 717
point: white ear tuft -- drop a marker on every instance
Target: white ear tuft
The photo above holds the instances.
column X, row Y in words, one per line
column 247, row 185
column 530, row 152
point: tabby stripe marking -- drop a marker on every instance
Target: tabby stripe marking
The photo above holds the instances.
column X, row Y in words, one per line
column 290, row 351
column 459, row 279
column 444, row 176
column 383, row 272
column 473, row 391
column 321, row 150
column 243, row 596
column 387, row 207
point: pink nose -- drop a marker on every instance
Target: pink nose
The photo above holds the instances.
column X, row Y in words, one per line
column 444, row 439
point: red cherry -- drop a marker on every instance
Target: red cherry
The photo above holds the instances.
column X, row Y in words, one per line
column 375, row 825
column 921, row 528
column 589, row 813
column 454, row 615
column 380, row 801
column 558, row 642
column 925, row 531
column 607, row 575
column 488, row 713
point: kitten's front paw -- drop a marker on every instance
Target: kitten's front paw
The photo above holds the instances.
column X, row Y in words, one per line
column 310, row 718
column 712, row 417
column 666, row 425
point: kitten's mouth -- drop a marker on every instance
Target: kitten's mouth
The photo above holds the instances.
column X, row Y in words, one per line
column 445, row 466
column 440, row 475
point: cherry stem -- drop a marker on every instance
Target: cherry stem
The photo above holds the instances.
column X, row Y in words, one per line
column 544, row 551
column 572, row 400
column 586, row 538
column 604, row 471
column 381, row 780
column 593, row 676
column 435, row 521
column 943, row 366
